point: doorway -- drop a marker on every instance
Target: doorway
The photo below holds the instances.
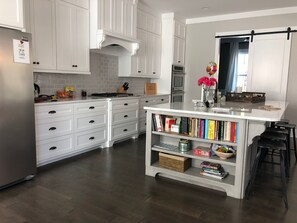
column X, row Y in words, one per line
column 234, row 54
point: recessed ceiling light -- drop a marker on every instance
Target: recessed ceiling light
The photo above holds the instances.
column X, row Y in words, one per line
column 204, row 8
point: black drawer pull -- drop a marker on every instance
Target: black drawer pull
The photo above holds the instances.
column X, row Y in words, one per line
column 162, row 99
column 92, row 107
column 52, row 128
column 139, row 71
column 53, row 148
column 92, row 138
column 126, row 104
column 125, row 130
column 37, row 62
column 92, row 121
column 52, row 112
column 154, row 72
column 178, row 61
column 145, row 124
column 145, row 112
column 34, row 62
column 146, row 101
column 126, row 116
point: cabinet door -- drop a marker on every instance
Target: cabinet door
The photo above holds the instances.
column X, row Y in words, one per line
column 157, row 55
column 141, row 53
column 180, row 30
column 43, row 34
column 82, row 42
column 11, row 14
column 179, row 51
column 150, row 54
column 65, row 35
column 141, row 20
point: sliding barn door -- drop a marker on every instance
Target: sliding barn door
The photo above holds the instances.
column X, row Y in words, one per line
column 269, row 65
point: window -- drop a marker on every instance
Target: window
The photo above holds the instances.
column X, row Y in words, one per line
column 242, row 65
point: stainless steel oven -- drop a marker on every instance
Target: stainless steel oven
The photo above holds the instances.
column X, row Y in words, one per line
column 177, row 83
column 178, row 78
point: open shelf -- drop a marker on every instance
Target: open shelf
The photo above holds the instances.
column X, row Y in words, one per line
column 194, row 172
column 179, row 136
column 190, row 154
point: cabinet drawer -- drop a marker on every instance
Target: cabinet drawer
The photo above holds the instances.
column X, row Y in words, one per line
column 119, row 116
column 51, row 148
column 124, row 104
column 123, row 130
column 160, row 100
column 52, row 111
column 146, row 101
column 88, row 122
column 90, row 107
column 142, row 125
column 54, row 127
column 90, row 138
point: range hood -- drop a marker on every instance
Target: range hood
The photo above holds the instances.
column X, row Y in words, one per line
column 107, row 39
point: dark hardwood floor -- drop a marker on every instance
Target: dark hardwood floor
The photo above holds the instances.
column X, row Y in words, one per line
column 109, row 185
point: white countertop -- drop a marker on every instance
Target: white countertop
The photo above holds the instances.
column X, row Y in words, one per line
column 249, row 111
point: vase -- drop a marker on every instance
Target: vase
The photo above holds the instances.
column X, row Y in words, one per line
column 208, row 98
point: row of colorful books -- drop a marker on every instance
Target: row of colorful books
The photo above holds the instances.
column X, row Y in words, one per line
column 214, row 170
column 195, row 127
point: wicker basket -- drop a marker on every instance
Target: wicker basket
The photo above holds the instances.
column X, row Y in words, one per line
column 247, row 97
column 177, row 163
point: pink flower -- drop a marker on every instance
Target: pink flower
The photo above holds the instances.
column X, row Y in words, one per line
column 213, row 81
column 202, row 80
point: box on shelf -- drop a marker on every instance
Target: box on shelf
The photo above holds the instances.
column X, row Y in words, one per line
column 177, row 163
column 202, row 151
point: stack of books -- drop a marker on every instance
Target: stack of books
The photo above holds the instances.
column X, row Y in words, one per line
column 214, row 170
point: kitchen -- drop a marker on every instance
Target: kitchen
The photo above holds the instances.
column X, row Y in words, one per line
column 104, row 67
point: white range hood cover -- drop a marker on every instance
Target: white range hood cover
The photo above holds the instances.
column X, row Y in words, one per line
column 105, row 39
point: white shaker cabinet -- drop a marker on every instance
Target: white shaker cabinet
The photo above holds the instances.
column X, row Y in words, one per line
column 72, row 37
column 79, row 3
column 179, row 51
column 43, row 30
column 11, row 14
column 139, row 66
column 179, row 30
column 153, row 55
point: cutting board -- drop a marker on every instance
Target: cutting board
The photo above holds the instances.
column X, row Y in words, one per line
column 150, row 88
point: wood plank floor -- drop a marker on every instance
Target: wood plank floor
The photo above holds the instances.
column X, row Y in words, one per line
column 109, row 185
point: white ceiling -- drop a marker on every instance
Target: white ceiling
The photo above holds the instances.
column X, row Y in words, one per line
column 186, row 9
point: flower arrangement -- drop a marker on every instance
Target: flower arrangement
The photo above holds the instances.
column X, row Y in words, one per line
column 208, row 82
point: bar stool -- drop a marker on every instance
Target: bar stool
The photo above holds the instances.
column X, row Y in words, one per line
column 290, row 128
column 262, row 145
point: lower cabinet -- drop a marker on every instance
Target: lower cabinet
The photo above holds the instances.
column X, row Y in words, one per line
column 63, row 134
column 150, row 100
column 123, row 119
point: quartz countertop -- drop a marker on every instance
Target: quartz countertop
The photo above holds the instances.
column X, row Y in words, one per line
column 248, row 111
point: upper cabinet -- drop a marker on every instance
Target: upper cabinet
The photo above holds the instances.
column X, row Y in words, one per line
column 117, row 17
column 179, row 30
column 148, row 22
column 60, row 34
column 43, row 29
column 179, row 51
column 11, row 14
column 72, row 37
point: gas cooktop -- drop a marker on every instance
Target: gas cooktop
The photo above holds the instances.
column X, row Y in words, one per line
column 111, row 95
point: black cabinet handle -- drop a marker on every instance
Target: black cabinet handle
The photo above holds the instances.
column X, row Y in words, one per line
column 73, row 66
column 154, row 72
column 162, row 99
column 52, row 112
column 92, row 107
column 178, row 61
column 146, row 101
column 52, row 128
column 126, row 116
column 92, row 121
column 52, row 148
column 92, row 138
column 145, row 124
column 125, row 130
column 145, row 112
column 37, row 62
column 126, row 104
column 34, row 62
column 139, row 71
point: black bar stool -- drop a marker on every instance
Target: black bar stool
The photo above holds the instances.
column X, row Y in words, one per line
column 262, row 145
column 290, row 128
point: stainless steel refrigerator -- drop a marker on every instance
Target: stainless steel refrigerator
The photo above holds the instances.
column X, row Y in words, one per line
column 17, row 123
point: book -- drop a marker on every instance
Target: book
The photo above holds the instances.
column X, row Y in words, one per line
column 206, row 129
column 184, row 125
column 211, row 129
column 222, row 124
column 168, row 122
column 214, row 176
column 190, row 126
column 228, row 131
column 236, row 134
column 219, row 172
column 159, row 123
column 211, row 165
column 154, row 125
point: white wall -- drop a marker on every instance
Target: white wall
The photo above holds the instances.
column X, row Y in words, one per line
column 200, row 50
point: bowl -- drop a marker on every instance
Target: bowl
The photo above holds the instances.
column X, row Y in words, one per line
column 224, row 156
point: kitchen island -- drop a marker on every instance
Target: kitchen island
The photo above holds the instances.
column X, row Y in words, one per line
column 250, row 120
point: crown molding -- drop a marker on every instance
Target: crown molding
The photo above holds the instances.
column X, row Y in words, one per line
column 244, row 15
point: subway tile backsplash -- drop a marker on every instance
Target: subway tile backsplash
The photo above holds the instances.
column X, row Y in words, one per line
column 103, row 78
